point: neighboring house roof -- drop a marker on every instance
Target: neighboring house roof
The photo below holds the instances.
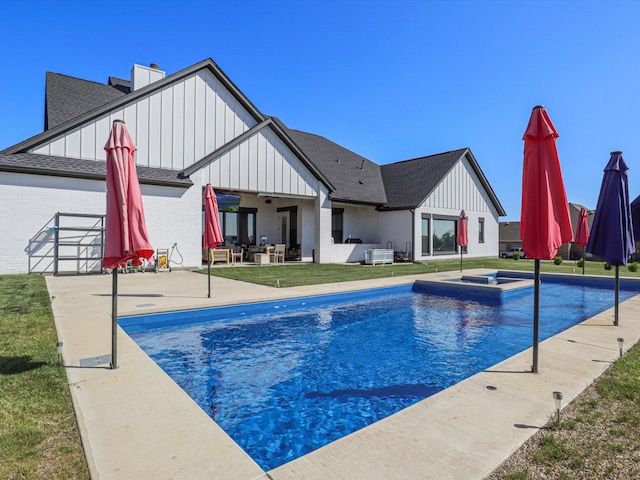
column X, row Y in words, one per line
column 578, row 207
column 88, row 169
column 509, row 232
column 67, row 98
column 355, row 178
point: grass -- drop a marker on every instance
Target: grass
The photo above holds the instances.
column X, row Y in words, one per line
column 598, row 436
column 38, row 431
column 291, row 275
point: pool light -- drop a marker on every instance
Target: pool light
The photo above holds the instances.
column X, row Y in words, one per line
column 620, row 345
column 557, row 396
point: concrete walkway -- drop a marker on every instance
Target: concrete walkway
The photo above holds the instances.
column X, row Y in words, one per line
column 136, row 423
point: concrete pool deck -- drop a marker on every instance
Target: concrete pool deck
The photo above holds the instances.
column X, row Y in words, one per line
column 136, row 423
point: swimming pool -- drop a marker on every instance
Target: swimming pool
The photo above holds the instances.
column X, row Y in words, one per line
column 284, row 378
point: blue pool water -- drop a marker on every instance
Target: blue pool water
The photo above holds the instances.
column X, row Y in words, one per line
column 285, row 378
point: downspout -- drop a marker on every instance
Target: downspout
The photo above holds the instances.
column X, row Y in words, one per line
column 413, row 233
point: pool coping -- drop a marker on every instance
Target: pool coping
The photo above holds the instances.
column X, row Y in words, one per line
column 135, row 422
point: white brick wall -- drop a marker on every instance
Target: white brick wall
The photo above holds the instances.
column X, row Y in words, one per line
column 29, row 204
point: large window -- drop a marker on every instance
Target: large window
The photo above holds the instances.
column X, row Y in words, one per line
column 444, row 236
column 426, row 237
column 336, row 224
column 238, row 224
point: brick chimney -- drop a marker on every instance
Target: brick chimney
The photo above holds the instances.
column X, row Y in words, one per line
column 142, row 76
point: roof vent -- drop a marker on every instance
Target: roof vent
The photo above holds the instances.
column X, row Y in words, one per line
column 142, row 76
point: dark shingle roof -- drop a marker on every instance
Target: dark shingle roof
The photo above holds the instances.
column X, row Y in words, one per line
column 349, row 176
column 409, row 182
column 79, row 168
column 120, row 84
column 102, row 102
column 69, row 97
column 355, row 178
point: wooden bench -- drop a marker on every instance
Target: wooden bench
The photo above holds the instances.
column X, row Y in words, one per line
column 217, row 255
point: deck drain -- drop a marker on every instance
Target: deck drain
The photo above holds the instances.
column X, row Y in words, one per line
column 140, row 305
column 491, row 387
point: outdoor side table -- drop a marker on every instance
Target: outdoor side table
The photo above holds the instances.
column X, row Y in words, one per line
column 261, row 258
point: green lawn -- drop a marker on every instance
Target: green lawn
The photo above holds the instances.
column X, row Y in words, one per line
column 38, row 431
column 598, row 436
column 290, row 275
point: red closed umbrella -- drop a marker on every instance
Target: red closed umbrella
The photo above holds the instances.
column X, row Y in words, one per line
column 126, row 231
column 462, row 238
column 125, row 228
column 212, row 233
column 582, row 233
column 545, row 223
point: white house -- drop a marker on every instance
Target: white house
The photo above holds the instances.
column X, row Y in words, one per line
column 196, row 127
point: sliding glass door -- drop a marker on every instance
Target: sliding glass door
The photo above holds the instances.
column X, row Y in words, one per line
column 239, row 226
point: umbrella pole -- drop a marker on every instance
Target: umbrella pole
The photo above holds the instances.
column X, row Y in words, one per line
column 461, row 259
column 114, row 319
column 584, row 258
column 617, row 288
column 209, row 271
column 536, row 314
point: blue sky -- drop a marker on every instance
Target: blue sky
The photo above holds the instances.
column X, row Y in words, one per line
column 390, row 80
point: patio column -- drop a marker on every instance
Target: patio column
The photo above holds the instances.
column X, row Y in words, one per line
column 323, row 227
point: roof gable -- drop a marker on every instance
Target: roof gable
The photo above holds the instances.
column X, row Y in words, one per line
column 78, row 128
column 409, row 182
column 278, row 130
column 79, row 113
column 119, row 103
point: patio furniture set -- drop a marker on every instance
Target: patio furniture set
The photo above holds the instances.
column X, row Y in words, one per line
column 258, row 254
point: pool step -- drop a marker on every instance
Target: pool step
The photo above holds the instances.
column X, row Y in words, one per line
column 478, row 279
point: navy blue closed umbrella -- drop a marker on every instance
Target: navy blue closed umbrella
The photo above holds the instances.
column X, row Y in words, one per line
column 612, row 232
column 635, row 215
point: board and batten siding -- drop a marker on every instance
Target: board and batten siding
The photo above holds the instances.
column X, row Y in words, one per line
column 262, row 163
column 173, row 127
column 459, row 190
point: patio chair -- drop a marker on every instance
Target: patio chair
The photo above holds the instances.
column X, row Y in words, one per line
column 239, row 256
column 237, row 253
column 278, row 253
